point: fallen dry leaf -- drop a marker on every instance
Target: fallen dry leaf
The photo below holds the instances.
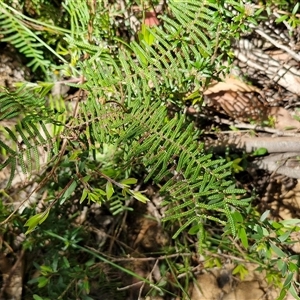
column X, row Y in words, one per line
column 230, row 84
column 237, row 99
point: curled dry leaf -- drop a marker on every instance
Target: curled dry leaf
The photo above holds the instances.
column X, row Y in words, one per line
column 237, row 99
column 230, row 84
column 241, row 102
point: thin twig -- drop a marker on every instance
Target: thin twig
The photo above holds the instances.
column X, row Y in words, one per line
column 255, row 127
column 129, row 286
column 125, row 259
column 278, row 45
column 149, row 278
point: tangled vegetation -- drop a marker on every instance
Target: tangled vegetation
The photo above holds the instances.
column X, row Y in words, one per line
column 130, row 73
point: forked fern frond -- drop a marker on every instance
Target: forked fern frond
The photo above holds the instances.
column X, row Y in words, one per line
column 202, row 184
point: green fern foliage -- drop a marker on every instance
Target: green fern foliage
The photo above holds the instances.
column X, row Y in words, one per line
column 17, row 33
column 29, row 137
column 126, row 120
column 142, row 77
column 25, row 34
column 129, row 90
column 196, row 183
column 198, row 186
column 177, row 61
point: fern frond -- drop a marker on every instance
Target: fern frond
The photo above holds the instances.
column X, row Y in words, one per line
column 11, row 161
column 182, row 49
column 158, row 141
column 23, row 102
column 17, row 34
column 24, row 152
column 28, row 42
column 29, row 137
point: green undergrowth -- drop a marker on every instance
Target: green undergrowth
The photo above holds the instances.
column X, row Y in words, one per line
column 125, row 130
